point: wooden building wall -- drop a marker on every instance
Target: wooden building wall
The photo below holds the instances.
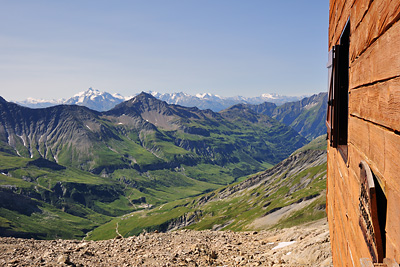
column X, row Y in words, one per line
column 373, row 124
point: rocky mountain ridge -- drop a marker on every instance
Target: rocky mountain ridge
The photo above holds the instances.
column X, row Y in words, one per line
column 75, row 136
column 305, row 115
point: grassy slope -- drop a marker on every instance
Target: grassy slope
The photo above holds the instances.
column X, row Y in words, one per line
column 48, row 212
column 239, row 210
column 318, row 143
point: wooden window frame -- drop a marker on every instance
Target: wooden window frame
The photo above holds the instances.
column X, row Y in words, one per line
column 338, row 97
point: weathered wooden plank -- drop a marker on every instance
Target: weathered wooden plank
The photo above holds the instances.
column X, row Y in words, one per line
column 380, row 16
column 392, row 155
column 366, row 262
column 334, row 18
column 379, row 103
column 340, row 14
column 392, row 249
column 341, row 226
column 358, row 10
column 335, row 221
column 393, row 224
column 367, row 142
column 359, row 134
column 347, row 234
column 381, row 61
column 377, row 148
column 390, row 262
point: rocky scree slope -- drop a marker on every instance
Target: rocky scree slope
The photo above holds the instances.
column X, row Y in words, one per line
column 307, row 245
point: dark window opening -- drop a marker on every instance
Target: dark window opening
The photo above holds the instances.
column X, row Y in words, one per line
column 338, row 99
column 381, row 204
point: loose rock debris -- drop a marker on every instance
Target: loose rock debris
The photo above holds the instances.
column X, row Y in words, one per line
column 309, row 246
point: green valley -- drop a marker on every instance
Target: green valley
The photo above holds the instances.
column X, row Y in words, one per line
column 145, row 164
column 291, row 193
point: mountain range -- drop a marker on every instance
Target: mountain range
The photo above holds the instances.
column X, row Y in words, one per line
column 68, row 169
column 84, row 166
column 91, row 98
column 165, row 134
column 305, row 115
column 103, row 101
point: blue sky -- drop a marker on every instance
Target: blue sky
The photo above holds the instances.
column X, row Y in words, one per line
column 54, row 49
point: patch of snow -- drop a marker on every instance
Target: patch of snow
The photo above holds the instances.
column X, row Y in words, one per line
column 311, row 105
column 41, row 100
column 206, row 95
column 23, row 139
column 269, row 96
column 116, row 95
column 79, row 94
column 283, row 244
column 81, row 99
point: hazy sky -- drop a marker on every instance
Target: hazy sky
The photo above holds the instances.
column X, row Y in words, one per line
column 55, row 49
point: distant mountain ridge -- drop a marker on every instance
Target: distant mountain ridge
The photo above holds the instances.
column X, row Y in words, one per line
column 96, row 100
column 217, row 103
column 103, row 101
column 156, row 134
column 91, row 98
column 306, row 115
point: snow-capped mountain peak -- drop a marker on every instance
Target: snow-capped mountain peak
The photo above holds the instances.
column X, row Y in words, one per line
column 95, row 99
column 102, row 101
column 270, row 96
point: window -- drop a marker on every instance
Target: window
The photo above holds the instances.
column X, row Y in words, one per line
column 338, row 99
